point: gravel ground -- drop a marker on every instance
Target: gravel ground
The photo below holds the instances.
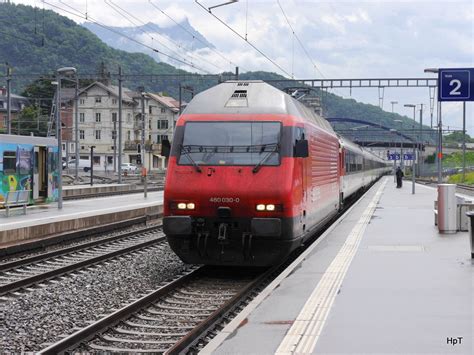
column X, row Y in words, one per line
column 40, row 316
column 67, row 244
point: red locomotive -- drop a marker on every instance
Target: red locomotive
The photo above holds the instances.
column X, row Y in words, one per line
column 253, row 173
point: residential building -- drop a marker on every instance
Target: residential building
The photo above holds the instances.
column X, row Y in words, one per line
column 98, row 125
column 17, row 103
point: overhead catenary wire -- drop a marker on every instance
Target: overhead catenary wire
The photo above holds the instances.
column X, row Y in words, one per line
column 193, row 36
column 179, row 46
column 299, row 41
column 244, row 39
column 118, row 10
column 79, row 14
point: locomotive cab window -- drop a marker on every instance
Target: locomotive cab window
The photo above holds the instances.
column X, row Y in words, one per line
column 9, row 162
column 231, row 143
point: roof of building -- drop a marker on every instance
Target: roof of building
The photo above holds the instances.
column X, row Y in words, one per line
column 17, row 102
column 127, row 94
column 167, row 101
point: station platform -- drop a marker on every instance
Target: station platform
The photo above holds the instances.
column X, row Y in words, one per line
column 44, row 221
column 380, row 280
column 72, row 191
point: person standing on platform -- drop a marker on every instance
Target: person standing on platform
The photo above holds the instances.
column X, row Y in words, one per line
column 399, row 174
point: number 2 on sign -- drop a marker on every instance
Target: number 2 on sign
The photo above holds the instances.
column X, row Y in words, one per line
column 457, row 84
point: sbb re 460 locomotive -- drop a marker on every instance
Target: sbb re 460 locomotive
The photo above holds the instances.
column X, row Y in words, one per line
column 252, row 173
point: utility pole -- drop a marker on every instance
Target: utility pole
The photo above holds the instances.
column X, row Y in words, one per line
column 144, row 172
column 236, row 73
column 115, row 145
column 420, row 146
column 9, row 102
column 440, row 144
column 60, row 146
column 463, row 141
column 76, row 128
column 120, row 128
column 180, row 100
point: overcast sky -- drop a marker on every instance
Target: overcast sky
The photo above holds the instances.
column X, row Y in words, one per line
column 345, row 39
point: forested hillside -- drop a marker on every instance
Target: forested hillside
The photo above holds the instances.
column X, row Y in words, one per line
column 35, row 42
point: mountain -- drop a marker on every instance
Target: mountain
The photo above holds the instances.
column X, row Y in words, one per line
column 189, row 39
column 36, row 42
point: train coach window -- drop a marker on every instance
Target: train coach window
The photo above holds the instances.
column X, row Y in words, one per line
column 9, row 162
column 24, row 161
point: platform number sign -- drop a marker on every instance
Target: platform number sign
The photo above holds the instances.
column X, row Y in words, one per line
column 456, row 84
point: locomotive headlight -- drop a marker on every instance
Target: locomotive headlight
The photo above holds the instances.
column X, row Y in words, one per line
column 190, row 206
column 261, row 207
column 270, row 207
column 181, row 206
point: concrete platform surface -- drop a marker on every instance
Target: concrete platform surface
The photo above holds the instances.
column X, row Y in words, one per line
column 382, row 280
column 43, row 220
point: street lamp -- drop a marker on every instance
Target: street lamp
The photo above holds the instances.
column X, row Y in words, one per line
column 440, row 131
column 59, row 74
column 64, row 74
column 393, row 103
column 401, row 143
column 414, row 152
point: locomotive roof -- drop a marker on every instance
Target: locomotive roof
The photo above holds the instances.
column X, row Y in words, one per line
column 251, row 97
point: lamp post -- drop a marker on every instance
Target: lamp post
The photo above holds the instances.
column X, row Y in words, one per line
column 393, row 130
column 401, row 143
column 61, row 73
column 414, row 151
column 440, row 131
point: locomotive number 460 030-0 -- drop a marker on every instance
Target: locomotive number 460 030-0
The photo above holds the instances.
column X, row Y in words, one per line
column 224, row 199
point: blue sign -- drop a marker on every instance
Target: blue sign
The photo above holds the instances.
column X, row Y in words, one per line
column 393, row 156
column 456, row 84
column 407, row 156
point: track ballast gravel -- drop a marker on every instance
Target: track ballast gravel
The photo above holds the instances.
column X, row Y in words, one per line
column 41, row 316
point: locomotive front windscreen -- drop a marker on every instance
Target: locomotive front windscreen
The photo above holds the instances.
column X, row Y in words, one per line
column 231, row 143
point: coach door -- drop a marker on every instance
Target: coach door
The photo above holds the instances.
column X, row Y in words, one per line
column 36, row 174
column 39, row 173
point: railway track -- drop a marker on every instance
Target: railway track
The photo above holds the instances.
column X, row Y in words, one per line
column 169, row 319
column 28, row 271
column 178, row 318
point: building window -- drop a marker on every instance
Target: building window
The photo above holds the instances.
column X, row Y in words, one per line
column 161, row 137
column 129, row 118
column 81, row 134
column 97, row 117
column 149, row 124
column 98, row 99
column 114, row 101
column 114, row 116
column 97, row 160
column 149, row 137
column 128, row 135
column 163, row 124
column 150, row 111
column 114, row 134
column 82, row 118
column 163, row 110
column 9, row 162
column 97, row 134
column 82, row 101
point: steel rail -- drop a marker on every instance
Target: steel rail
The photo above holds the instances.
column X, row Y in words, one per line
column 102, row 324
column 28, row 281
column 44, row 256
